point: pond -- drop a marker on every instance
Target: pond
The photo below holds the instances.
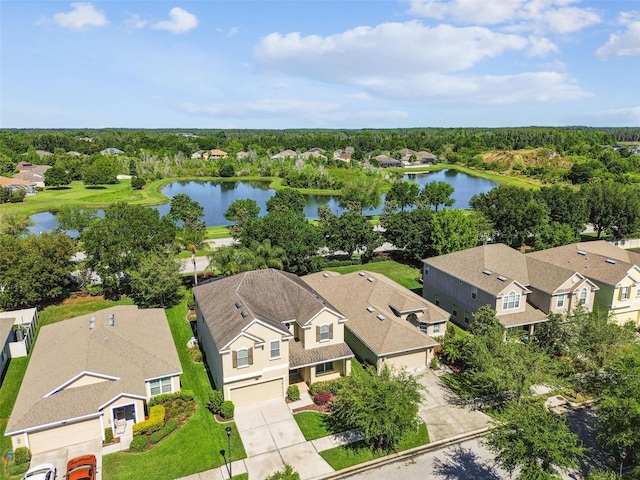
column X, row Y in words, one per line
column 216, row 197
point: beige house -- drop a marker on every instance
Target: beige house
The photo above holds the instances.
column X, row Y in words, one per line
column 388, row 324
column 284, row 154
column 16, row 183
column 263, row 329
column 90, row 373
column 17, row 328
column 216, row 154
column 521, row 289
column 614, row 270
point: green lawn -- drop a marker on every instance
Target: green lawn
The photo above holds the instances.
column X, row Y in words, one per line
column 405, row 275
column 194, row 447
column 77, row 307
column 359, row 452
column 314, row 424
column 8, row 394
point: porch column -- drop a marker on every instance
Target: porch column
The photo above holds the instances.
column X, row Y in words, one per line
column 531, row 328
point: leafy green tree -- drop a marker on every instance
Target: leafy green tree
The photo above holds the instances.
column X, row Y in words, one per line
column 34, row 270
column 102, row 171
column 436, row 194
column 404, row 194
column 7, row 165
column 75, row 218
column 350, row 232
column 383, row 406
column 240, row 211
column 231, row 260
column 361, row 193
column 56, row 176
column 286, row 200
column 614, row 208
column 186, row 213
column 14, row 224
column 137, row 183
column 226, row 168
column 554, row 235
column 452, row 230
column 534, row 442
column 566, row 206
column 155, row 281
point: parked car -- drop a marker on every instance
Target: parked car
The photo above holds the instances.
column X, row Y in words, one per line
column 82, row 468
column 44, row 471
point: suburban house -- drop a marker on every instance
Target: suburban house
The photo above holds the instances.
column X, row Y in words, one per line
column 90, row 373
column 17, row 328
column 284, row 154
column 111, row 151
column 614, row 270
column 31, row 173
column 216, row 154
column 426, row 157
column 388, row 324
column 261, row 330
column 198, row 154
column 313, row 153
column 16, row 183
column 521, row 289
column 342, row 155
column 386, row 161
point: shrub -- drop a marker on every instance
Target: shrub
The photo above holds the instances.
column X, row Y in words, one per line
column 21, row 455
column 323, row 398
column 139, row 444
column 293, row 392
column 434, row 363
column 287, row 473
column 153, row 424
column 17, row 468
column 137, row 183
column 169, row 427
column 95, row 290
column 215, row 401
column 196, row 354
column 227, row 409
column 328, row 386
column 108, row 435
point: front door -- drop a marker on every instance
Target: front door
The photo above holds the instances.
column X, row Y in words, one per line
column 121, row 415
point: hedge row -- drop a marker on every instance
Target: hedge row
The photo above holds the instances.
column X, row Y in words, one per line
column 169, row 427
column 185, row 395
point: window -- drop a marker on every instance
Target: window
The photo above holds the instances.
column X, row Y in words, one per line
column 436, row 328
column 423, row 327
column 511, row 301
column 426, row 270
column 582, row 299
column 638, row 290
column 324, row 368
column 560, row 301
column 474, row 292
column 324, row 333
column 242, row 358
column 437, row 300
column 466, row 317
column 624, row 293
column 454, row 311
column 161, row 385
column 275, row 349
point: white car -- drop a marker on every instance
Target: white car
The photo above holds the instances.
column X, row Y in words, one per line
column 44, row 471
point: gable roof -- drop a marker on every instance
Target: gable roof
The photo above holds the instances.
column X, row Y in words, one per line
column 599, row 260
column 138, row 347
column 270, row 295
column 354, row 292
column 6, row 181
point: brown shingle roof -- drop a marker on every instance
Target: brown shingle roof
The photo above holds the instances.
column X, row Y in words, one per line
column 6, row 181
column 269, row 295
column 301, row 357
column 530, row 315
column 353, row 293
column 137, row 348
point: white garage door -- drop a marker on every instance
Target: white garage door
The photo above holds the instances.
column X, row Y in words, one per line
column 64, row 436
column 256, row 393
column 408, row 360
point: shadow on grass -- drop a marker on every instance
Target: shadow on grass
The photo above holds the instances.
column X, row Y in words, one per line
column 96, row 187
column 61, row 187
column 463, row 464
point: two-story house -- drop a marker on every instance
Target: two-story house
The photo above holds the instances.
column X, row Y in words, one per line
column 521, row 289
column 91, row 373
column 614, row 270
column 388, row 324
column 257, row 328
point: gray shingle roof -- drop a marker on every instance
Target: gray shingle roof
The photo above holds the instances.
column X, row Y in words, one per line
column 137, row 348
column 301, row 357
column 353, row 293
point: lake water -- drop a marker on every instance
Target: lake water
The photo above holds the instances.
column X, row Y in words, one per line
column 216, row 197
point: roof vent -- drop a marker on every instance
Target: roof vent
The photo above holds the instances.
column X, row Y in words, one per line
column 370, row 309
column 611, row 261
column 112, row 320
column 370, row 279
column 325, row 275
column 362, row 274
column 244, row 313
column 238, row 304
column 92, row 323
column 501, row 278
column 582, row 252
column 487, row 272
column 380, row 317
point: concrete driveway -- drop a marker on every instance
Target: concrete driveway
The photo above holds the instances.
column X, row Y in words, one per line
column 61, row 456
column 271, row 438
column 444, row 413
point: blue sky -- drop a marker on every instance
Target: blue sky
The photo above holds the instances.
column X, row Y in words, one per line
column 319, row 64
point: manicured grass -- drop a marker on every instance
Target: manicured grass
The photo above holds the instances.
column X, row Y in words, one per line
column 202, row 252
column 359, row 452
column 314, row 424
column 8, row 394
column 196, row 446
column 405, row 275
column 76, row 307
column 459, row 330
column 217, row 232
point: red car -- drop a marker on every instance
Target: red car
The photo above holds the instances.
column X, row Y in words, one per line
column 82, row 468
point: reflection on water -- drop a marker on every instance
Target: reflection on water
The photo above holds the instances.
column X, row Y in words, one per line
column 216, row 197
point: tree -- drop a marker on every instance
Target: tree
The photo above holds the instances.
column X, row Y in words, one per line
column 7, row 165
column 75, row 218
column 103, row 170
column 404, row 194
column 566, row 206
column 554, row 234
column 362, row 193
column 409, row 231
column 137, row 183
column 383, row 406
column 155, row 281
column 286, row 200
column 187, row 212
column 434, row 194
column 452, row 230
column 614, row 208
column 14, row 224
column 350, row 232
column 534, row 442
column 56, row 176
column 287, row 473
column 34, row 270
column 240, row 211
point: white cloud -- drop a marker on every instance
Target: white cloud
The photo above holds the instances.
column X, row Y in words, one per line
column 83, row 15
column 180, row 21
column 264, row 108
column 233, row 31
column 517, row 15
column 624, row 44
column 541, row 46
column 135, row 22
column 389, row 49
column 629, row 117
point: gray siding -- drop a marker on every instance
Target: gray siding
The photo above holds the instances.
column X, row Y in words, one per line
column 362, row 352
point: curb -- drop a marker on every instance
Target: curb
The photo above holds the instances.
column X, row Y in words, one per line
column 378, row 462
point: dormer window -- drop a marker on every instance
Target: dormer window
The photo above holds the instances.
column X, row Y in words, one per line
column 324, row 333
column 511, row 301
column 582, row 298
column 624, row 293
